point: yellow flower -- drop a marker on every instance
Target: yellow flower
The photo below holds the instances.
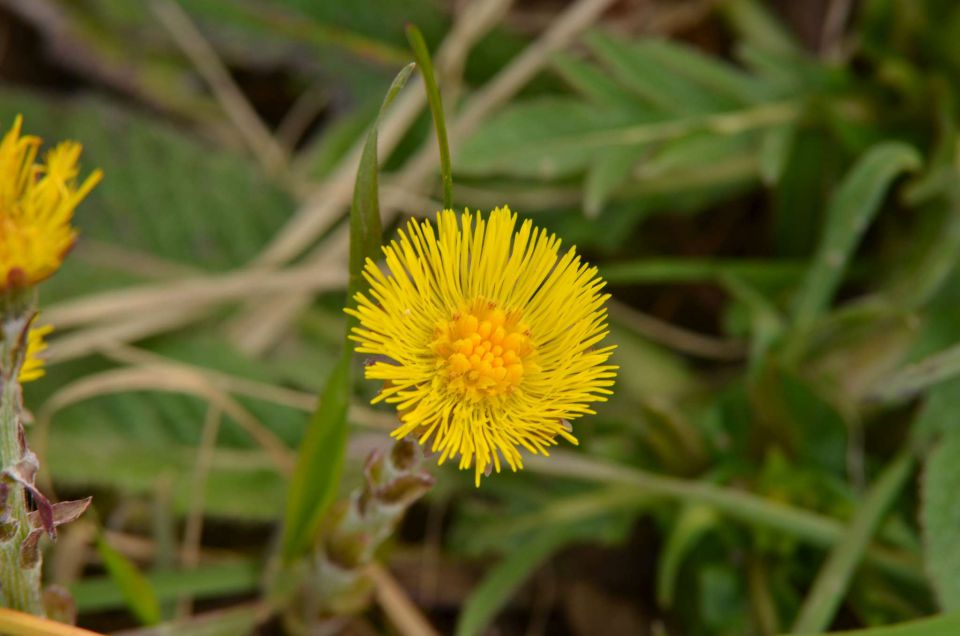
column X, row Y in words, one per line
column 37, row 201
column 491, row 336
column 32, row 367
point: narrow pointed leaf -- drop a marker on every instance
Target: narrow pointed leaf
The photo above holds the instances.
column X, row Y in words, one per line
column 503, row 580
column 137, row 591
column 940, row 513
column 320, row 458
column 693, row 523
column 422, row 55
column 852, row 209
column 833, row 580
column 933, row 626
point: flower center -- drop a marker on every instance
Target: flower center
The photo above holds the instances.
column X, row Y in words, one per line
column 483, row 351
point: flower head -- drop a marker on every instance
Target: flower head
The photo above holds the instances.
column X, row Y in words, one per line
column 37, row 201
column 491, row 337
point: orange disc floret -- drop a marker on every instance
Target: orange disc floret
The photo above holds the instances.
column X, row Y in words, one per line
column 491, row 337
column 37, row 201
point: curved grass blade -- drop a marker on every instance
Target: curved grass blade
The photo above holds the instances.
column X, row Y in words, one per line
column 320, row 458
column 138, row 592
column 830, row 586
column 693, row 523
column 940, row 511
column 934, row 626
column 851, row 211
column 207, row 582
column 502, row 581
column 422, row 56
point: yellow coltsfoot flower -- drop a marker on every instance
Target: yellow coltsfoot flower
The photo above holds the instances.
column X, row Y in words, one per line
column 37, row 201
column 491, row 334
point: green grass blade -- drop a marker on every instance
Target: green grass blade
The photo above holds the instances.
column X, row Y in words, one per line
column 366, row 234
column 831, row 583
column 852, row 208
column 919, row 376
column 209, row 581
column 320, row 458
column 422, row 55
column 939, row 512
column 503, row 580
column 692, row 270
column 137, row 591
column 694, row 521
column 935, row 626
column 319, row 462
column 736, row 504
column 238, row 619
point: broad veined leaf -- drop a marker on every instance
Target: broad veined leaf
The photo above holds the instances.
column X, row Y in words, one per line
column 639, row 66
column 545, row 138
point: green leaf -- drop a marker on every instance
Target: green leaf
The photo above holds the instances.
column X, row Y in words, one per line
column 230, row 621
column 639, row 66
column 319, row 462
column 608, row 173
column 832, row 581
column 918, row 285
column 365, row 231
column 137, row 591
column 918, row 376
column 542, row 138
column 766, row 323
column 95, row 594
column 316, row 475
column 552, row 137
column 852, row 208
column 596, row 85
column 710, row 73
column 422, row 56
column 696, row 152
column 944, row 625
column 686, row 270
column 693, row 522
column 602, row 515
column 760, row 29
column 940, row 514
column 503, row 580
column 775, row 152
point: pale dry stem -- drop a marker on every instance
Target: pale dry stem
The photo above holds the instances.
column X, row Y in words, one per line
column 245, row 119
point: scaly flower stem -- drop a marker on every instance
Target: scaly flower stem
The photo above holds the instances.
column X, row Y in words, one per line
column 337, row 582
column 19, row 582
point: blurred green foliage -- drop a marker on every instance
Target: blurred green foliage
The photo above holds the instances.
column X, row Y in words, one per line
column 798, row 211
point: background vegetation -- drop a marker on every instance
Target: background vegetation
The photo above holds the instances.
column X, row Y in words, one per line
column 771, row 190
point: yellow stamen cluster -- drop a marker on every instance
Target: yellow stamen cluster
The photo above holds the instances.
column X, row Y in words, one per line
column 37, row 201
column 483, row 352
column 490, row 337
